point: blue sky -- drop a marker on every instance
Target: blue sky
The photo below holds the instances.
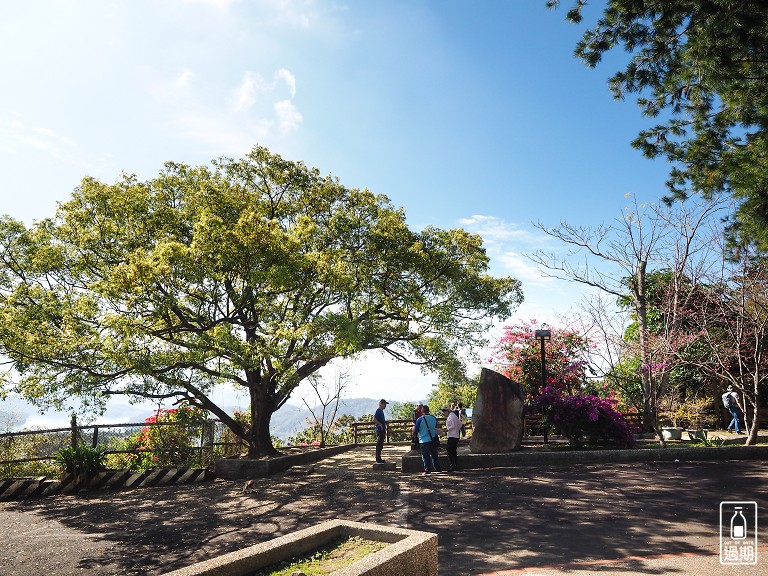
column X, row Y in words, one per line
column 472, row 114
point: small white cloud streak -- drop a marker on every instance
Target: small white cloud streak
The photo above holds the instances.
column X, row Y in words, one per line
column 220, row 5
column 252, row 85
column 221, row 134
column 14, row 134
column 505, row 244
column 496, row 230
column 245, row 94
column 289, row 79
column 184, row 79
column 289, row 119
column 521, row 268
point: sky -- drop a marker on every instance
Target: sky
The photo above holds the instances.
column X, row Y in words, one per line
column 466, row 114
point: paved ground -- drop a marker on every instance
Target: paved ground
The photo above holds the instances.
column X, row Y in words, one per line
column 653, row 518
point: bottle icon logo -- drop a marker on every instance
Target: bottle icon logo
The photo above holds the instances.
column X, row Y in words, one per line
column 738, row 524
column 738, row 532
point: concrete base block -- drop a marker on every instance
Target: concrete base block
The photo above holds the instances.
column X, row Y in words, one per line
column 237, row 468
column 410, row 552
column 536, row 457
column 384, row 466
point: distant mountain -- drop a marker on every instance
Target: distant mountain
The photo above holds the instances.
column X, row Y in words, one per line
column 291, row 419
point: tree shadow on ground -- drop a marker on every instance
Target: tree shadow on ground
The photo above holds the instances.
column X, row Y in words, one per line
column 486, row 520
column 554, row 516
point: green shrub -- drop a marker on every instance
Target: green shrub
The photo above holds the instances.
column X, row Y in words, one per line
column 81, row 460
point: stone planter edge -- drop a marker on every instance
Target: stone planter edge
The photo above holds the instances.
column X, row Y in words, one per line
column 410, row 553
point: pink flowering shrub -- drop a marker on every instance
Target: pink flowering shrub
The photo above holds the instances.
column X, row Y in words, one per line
column 578, row 417
column 518, row 356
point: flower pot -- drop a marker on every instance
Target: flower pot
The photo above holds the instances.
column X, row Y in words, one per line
column 672, row 433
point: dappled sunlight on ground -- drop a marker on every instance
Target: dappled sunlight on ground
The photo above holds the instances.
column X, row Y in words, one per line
column 487, row 520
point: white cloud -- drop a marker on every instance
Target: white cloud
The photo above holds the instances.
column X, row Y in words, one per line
column 288, row 78
column 221, row 5
column 184, row 79
column 517, row 265
column 245, row 94
column 289, row 119
column 293, row 13
column 496, row 230
column 506, row 243
column 14, row 135
column 222, row 134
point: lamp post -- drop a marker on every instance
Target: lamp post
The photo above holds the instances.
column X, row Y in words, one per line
column 543, row 335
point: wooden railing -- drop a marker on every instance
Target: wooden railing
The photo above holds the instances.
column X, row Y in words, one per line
column 33, row 452
column 397, row 430
column 400, row 430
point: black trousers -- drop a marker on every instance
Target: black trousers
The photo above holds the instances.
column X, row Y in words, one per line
column 453, row 457
column 379, row 444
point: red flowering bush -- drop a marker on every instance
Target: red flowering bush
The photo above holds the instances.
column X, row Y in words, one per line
column 581, row 417
column 169, row 440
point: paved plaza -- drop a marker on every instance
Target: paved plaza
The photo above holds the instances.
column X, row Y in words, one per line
column 640, row 518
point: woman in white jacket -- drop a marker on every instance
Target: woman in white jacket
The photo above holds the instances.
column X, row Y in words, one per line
column 453, row 427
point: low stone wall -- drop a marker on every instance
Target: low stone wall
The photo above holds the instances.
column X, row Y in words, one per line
column 537, row 457
column 238, row 468
column 110, row 479
column 410, row 552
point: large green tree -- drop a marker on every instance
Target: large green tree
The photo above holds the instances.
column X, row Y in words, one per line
column 255, row 272
column 702, row 67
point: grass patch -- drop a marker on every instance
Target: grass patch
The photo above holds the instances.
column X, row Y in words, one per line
column 333, row 556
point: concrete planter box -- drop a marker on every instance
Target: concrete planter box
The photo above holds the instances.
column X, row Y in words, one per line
column 697, row 434
column 672, row 433
column 410, row 552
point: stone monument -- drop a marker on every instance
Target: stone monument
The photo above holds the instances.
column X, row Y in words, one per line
column 497, row 417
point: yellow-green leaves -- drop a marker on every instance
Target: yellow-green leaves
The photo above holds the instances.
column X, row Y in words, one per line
column 257, row 272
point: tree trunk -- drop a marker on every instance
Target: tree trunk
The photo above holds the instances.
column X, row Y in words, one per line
column 262, row 407
column 754, row 426
column 650, row 404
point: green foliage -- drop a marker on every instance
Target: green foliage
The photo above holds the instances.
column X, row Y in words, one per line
column 254, row 272
column 693, row 413
column 624, row 379
column 710, row 442
column 401, row 410
column 702, row 65
column 447, row 392
column 31, row 446
column 330, row 558
column 339, row 433
column 81, row 460
column 235, row 444
column 159, row 445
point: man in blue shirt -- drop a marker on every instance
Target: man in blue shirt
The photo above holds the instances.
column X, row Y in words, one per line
column 426, row 428
column 380, row 425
